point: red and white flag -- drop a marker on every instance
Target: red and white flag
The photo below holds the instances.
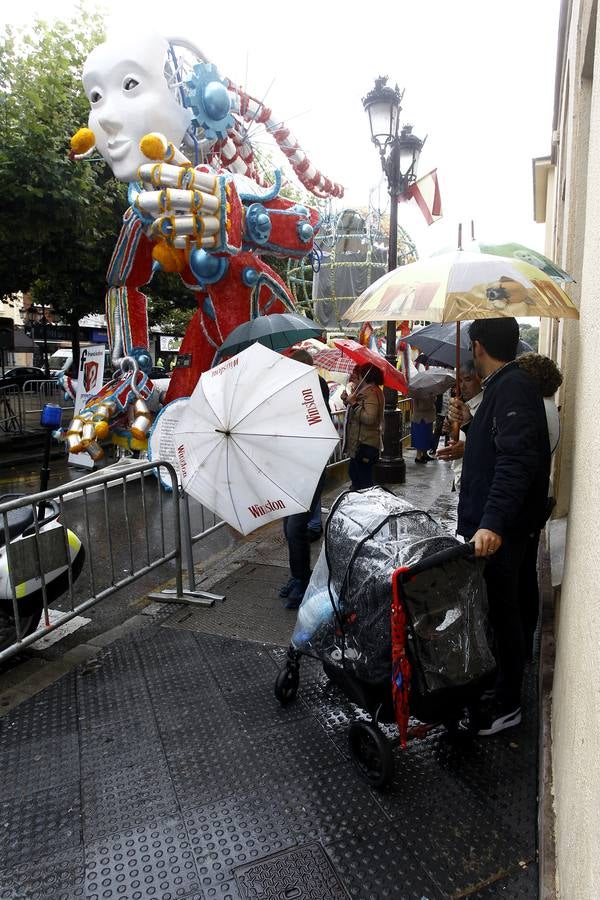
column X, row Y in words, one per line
column 426, row 193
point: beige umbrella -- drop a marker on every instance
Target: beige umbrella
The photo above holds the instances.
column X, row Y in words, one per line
column 462, row 285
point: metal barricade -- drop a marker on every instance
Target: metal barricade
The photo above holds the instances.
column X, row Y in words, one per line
column 34, row 397
column 338, row 454
column 209, row 523
column 11, row 410
column 128, row 527
column 404, row 407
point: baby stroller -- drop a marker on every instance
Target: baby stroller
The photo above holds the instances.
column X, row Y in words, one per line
column 396, row 613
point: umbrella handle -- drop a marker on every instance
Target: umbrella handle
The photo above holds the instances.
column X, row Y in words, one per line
column 455, row 429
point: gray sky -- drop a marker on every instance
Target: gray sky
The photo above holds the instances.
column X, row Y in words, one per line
column 478, row 76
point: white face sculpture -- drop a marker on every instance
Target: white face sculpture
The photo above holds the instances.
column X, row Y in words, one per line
column 124, row 80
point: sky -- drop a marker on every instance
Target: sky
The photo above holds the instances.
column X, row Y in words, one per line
column 478, row 77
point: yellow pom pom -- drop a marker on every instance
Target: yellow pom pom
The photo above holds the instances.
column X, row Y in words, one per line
column 170, row 259
column 83, row 140
column 102, row 430
column 153, row 145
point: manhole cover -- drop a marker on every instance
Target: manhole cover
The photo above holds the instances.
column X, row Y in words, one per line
column 304, row 873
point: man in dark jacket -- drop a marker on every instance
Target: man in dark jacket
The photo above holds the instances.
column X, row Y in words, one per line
column 504, row 486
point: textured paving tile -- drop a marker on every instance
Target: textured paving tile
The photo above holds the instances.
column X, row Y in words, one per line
column 153, row 860
column 40, row 824
column 57, row 877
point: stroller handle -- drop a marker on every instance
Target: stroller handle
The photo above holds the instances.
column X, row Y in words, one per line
column 460, row 551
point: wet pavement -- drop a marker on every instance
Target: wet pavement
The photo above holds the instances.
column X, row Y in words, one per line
column 163, row 767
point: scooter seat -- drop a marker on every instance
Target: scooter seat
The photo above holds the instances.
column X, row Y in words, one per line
column 18, row 519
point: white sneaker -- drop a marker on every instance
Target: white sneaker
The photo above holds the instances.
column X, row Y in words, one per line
column 495, row 721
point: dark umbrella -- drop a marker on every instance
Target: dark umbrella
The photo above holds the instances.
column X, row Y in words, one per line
column 277, row 331
column 438, row 343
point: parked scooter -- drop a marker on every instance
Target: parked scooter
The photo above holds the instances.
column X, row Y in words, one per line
column 29, row 593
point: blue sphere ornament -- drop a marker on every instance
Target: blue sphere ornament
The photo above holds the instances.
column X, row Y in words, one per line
column 258, row 223
column 250, row 276
column 143, row 358
column 305, row 232
column 216, row 100
column 206, row 268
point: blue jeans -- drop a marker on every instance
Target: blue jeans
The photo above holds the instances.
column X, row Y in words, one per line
column 314, row 523
column 294, row 528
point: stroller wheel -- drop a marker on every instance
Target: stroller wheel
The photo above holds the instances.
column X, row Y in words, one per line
column 286, row 685
column 371, row 753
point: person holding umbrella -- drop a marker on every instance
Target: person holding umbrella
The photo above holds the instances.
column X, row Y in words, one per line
column 503, row 498
column 295, row 528
column 364, row 420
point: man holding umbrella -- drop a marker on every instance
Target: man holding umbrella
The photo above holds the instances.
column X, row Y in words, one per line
column 503, row 493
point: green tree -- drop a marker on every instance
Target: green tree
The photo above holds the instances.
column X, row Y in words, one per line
column 530, row 334
column 170, row 303
column 60, row 219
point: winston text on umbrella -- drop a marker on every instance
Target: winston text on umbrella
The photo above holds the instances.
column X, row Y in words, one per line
column 271, row 505
column 313, row 416
column 181, row 458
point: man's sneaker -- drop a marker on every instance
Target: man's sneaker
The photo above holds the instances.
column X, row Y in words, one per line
column 284, row 590
column 314, row 534
column 495, row 720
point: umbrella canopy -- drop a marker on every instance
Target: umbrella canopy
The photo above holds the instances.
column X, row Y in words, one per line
column 431, row 382
column 462, row 285
column 254, row 438
column 438, row 342
column 276, row 331
column 361, row 355
column 520, row 251
column 333, row 361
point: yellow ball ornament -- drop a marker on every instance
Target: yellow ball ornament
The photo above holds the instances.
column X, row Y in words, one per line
column 170, row 259
column 153, row 146
column 83, row 140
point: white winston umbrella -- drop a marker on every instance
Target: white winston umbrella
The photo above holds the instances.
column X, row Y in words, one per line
column 254, row 438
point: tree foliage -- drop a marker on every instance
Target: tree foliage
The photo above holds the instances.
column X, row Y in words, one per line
column 530, row 334
column 60, row 219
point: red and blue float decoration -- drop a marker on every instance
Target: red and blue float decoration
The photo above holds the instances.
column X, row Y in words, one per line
column 179, row 134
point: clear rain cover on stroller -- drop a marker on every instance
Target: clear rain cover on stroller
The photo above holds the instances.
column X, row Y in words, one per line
column 344, row 619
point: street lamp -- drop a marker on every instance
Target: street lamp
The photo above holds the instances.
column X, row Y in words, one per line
column 33, row 317
column 399, row 151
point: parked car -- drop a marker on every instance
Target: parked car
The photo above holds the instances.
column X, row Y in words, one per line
column 20, row 374
column 159, row 372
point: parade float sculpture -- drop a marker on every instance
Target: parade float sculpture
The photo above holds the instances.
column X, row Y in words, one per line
column 168, row 124
column 351, row 252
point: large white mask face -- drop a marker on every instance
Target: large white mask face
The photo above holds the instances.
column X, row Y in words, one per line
column 124, row 80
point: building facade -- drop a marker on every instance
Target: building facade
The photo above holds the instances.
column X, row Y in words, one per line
column 567, row 199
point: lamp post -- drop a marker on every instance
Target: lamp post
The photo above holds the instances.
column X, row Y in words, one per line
column 399, row 151
column 33, row 317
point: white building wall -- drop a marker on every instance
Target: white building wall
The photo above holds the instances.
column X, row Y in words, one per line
column 576, row 691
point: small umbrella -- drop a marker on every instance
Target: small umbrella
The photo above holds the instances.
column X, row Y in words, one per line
column 334, row 361
column 430, row 382
column 392, row 378
column 277, row 331
column 254, row 438
column 438, row 342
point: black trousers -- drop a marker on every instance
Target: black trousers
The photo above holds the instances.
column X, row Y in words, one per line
column 501, row 575
column 529, row 591
column 437, row 432
column 298, row 541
